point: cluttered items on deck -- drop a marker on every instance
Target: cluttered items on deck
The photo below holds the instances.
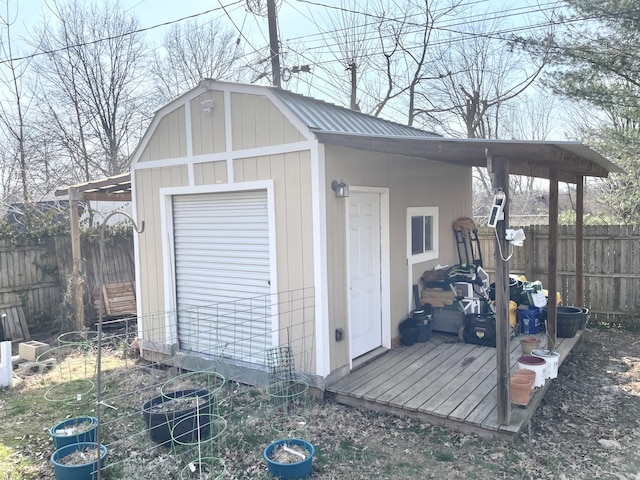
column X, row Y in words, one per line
column 467, row 242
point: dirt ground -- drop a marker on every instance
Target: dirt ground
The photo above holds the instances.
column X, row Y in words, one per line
column 587, row 427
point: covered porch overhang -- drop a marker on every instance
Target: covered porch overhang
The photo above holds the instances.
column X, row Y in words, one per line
column 557, row 162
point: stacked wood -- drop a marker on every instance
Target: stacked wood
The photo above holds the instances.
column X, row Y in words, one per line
column 437, row 297
column 119, row 298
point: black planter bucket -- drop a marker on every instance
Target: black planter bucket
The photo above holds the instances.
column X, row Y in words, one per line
column 515, row 290
column 408, row 332
column 569, row 320
column 585, row 318
column 422, row 320
column 161, row 418
column 423, row 332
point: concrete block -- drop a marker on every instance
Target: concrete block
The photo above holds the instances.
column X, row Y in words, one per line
column 30, row 351
column 35, row 367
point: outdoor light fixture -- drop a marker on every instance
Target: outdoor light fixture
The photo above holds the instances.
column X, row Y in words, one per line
column 207, row 105
column 341, row 188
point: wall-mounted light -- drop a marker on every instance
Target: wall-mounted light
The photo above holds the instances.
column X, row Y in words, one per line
column 341, row 188
column 207, row 105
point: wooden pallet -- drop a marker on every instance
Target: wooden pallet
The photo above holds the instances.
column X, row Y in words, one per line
column 119, row 299
column 15, row 323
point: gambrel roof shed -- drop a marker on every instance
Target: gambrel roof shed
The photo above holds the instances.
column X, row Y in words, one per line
column 247, row 246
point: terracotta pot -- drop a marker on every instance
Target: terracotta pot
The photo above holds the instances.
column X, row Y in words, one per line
column 529, row 344
column 528, row 374
column 520, row 389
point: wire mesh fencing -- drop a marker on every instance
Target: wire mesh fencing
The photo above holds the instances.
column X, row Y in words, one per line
column 195, row 393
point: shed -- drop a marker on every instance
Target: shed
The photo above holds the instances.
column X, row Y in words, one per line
column 252, row 240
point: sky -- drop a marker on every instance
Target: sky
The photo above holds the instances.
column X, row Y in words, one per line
column 296, row 17
column 297, row 21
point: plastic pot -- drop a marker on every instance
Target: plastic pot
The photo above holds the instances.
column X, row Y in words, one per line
column 569, row 320
column 515, row 290
column 161, row 417
column 301, row 469
column 84, row 471
column 585, row 319
column 74, row 430
column 408, row 332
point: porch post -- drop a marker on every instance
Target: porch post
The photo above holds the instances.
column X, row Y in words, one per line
column 579, row 300
column 76, row 278
column 499, row 166
column 552, row 260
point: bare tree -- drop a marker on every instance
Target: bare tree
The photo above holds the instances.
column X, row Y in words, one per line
column 193, row 52
column 529, row 117
column 13, row 111
column 92, row 78
column 405, row 43
column 478, row 74
column 349, row 38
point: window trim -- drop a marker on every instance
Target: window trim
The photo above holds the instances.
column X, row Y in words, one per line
column 424, row 256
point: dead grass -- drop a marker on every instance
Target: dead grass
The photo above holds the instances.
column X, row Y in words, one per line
column 588, row 426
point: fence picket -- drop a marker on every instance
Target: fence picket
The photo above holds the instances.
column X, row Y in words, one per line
column 611, row 268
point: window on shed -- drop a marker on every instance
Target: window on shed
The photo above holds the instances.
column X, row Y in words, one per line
column 422, row 234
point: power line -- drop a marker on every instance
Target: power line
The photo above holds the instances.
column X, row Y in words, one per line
column 114, row 37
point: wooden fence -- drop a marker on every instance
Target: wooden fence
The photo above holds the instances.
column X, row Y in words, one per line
column 29, row 278
column 37, row 275
column 611, row 267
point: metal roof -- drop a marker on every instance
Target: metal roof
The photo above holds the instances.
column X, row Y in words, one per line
column 571, row 160
column 336, row 125
column 323, row 116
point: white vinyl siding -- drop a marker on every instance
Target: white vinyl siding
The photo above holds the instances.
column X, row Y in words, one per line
column 222, row 274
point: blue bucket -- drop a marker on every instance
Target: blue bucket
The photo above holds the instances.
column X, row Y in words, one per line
column 528, row 319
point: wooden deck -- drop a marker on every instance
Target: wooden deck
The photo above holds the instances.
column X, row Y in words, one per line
column 443, row 382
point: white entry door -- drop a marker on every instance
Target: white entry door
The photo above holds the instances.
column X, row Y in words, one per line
column 365, row 313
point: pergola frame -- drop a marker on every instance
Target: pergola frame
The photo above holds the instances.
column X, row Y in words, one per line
column 113, row 189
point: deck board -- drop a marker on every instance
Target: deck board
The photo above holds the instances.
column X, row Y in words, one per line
column 452, row 385
column 444, row 382
column 424, row 388
column 369, row 380
column 414, row 372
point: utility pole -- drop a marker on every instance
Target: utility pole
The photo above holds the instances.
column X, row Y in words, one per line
column 354, row 90
column 273, row 42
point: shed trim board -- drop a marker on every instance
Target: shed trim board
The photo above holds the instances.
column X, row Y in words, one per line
column 168, row 244
column 385, row 265
column 229, row 157
column 228, row 136
column 136, row 257
column 320, row 259
column 188, row 128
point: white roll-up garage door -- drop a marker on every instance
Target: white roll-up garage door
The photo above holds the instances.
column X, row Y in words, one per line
column 222, row 271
